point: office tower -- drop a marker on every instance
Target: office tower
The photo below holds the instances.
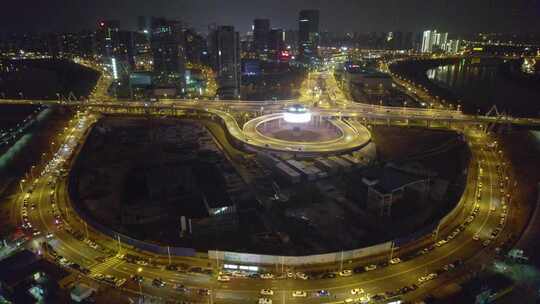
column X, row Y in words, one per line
column 291, row 40
column 261, row 33
column 87, row 44
column 142, row 24
column 126, row 47
column 224, row 45
column 196, row 48
column 107, row 37
column 308, row 33
column 277, row 40
column 69, row 44
column 167, row 41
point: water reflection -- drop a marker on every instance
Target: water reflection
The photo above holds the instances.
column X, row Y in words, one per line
column 480, row 84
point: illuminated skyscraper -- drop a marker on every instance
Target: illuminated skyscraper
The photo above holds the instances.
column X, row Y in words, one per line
column 261, row 34
column 224, row 45
column 107, row 37
column 426, row 42
column 433, row 41
column 167, row 42
column 308, row 33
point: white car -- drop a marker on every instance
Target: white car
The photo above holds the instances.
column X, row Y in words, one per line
column 440, row 243
column 370, row 267
column 357, row 291
column 223, row 278
column 476, row 237
column 267, row 276
column 299, row 294
column 301, row 275
column 345, row 273
column 120, row 282
column 239, row 274
column 267, row 292
column 265, row 301
column 395, row 261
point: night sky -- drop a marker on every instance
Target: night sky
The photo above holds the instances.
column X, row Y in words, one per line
column 455, row 16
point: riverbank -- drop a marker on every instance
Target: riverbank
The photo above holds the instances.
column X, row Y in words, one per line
column 45, row 78
column 477, row 84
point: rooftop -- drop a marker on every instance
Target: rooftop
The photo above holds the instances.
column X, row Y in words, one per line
column 387, row 179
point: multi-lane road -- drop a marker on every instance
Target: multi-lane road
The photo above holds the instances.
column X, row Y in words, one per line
column 465, row 243
column 52, row 203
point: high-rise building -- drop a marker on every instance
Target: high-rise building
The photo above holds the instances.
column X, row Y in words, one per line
column 308, row 33
column 433, row 41
column 196, row 48
column 453, row 46
column 443, row 39
column 426, row 42
column 167, row 43
column 126, row 50
column 224, row 45
column 142, row 24
column 69, row 44
column 291, row 40
column 261, row 33
column 87, row 44
column 276, row 40
column 107, row 37
column 397, row 42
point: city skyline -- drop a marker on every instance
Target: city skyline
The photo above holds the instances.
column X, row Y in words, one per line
column 387, row 15
column 270, row 152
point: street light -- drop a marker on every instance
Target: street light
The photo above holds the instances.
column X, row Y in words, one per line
column 21, row 184
column 139, row 270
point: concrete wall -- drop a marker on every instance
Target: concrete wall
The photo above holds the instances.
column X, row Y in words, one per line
column 333, row 257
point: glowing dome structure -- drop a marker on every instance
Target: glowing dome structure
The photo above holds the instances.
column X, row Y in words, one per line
column 297, row 114
column 296, row 130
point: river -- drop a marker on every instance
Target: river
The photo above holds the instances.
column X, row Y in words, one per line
column 482, row 83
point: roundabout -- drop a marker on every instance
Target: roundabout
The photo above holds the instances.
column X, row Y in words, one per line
column 304, row 133
column 465, row 240
column 473, row 216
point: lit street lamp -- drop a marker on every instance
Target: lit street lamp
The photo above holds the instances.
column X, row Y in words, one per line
column 139, row 270
column 21, row 184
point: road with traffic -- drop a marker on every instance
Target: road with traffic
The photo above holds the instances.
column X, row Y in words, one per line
column 465, row 244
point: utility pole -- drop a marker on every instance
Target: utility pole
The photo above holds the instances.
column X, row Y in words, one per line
column 436, row 232
column 119, row 244
column 86, row 229
column 341, row 261
column 392, row 246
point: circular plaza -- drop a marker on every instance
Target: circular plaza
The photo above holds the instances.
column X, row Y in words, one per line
column 300, row 131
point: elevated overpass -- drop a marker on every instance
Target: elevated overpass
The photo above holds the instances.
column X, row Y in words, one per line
column 343, row 110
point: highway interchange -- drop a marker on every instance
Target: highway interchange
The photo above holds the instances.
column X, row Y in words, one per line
column 424, row 266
